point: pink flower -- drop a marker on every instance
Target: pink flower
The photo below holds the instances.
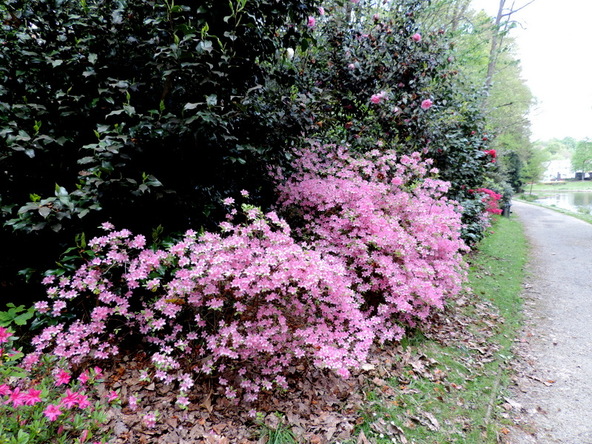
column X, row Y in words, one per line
column 63, row 377
column 83, row 378
column 132, row 402
column 70, row 400
column 83, row 401
column 98, row 372
column 17, row 398
column 4, row 390
column 113, row 396
column 426, row 104
column 108, row 226
column 32, row 397
column 416, row 37
column 377, row 98
column 5, row 335
column 355, row 1
column 52, row 412
column 311, row 22
column 351, row 66
column 149, row 420
column 321, row 10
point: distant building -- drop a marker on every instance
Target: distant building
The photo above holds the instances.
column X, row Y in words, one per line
column 558, row 170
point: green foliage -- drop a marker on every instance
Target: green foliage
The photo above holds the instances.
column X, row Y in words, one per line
column 582, row 156
column 274, row 431
column 141, row 112
column 16, row 315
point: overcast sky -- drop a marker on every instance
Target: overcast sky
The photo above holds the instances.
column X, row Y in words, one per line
column 555, row 47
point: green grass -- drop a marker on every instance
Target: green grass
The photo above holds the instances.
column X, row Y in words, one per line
column 457, row 398
column 576, row 185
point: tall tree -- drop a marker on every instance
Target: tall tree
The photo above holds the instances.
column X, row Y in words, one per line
column 582, row 157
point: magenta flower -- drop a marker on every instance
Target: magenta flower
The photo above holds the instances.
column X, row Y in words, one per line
column 321, row 10
column 83, row 401
column 17, row 398
column 32, row 397
column 4, row 390
column 311, row 22
column 426, row 104
column 5, row 334
column 63, row 377
column 52, row 412
column 113, row 396
column 83, row 378
column 416, row 37
column 70, row 400
column 98, row 372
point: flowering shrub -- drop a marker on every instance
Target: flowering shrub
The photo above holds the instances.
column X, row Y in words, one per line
column 46, row 405
column 388, row 221
column 244, row 304
column 491, row 200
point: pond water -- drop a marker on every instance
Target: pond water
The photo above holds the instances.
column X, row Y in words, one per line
column 576, row 201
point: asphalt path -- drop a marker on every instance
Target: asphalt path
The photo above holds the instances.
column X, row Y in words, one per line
column 552, row 399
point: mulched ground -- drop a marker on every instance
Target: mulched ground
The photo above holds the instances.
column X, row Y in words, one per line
column 318, row 408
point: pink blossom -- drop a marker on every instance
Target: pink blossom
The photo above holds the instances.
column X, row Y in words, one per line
column 52, row 412
column 378, row 98
column 426, row 104
column 98, row 372
column 42, row 306
column 70, row 400
column 355, row 1
column 17, row 397
column 62, row 377
column 83, row 378
column 113, row 396
column 32, row 396
column 321, row 10
column 311, row 22
column 5, row 335
column 149, row 420
column 107, row 226
column 416, row 37
column 132, row 403
column 83, row 401
column 5, row 390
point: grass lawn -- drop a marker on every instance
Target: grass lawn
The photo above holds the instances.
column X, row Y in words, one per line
column 455, row 374
column 576, row 185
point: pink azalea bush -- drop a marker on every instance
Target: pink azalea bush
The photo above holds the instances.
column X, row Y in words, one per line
column 245, row 304
column 388, row 222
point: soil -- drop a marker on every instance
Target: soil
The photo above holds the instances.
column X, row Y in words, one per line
column 552, row 398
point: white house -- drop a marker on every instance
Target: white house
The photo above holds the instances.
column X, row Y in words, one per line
column 558, row 170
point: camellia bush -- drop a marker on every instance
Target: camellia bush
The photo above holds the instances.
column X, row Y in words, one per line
column 143, row 113
column 375, row 80
column 388, row 221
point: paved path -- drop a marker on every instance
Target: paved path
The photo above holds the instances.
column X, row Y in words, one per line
column 554, row 386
